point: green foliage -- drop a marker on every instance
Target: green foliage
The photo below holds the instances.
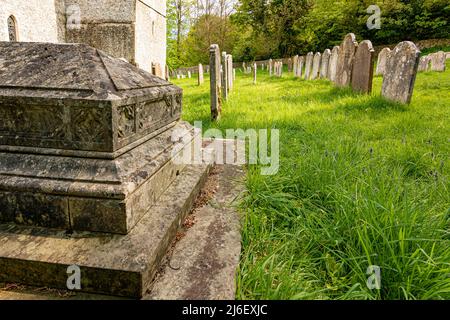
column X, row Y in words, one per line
column 362, row 182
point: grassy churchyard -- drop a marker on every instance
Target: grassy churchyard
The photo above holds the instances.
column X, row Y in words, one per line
column 362, row 182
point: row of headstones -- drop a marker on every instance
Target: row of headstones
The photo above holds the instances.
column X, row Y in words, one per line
column 433, row 62
column 222, row 76
column 352, row 65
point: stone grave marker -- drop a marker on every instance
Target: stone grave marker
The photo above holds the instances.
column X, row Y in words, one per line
column 325, row 63
column 255, row 72
column 332, row 68
column 270, row 67
column 424, row 64
column 438, row 61
column 295, row 65
column 400, row 73
column 316, row 66
column 347, row 52
column 215, row 81
column 201, row 78
column 363, row 66
column 224, row 79
column 382, row 58
column 309, row 65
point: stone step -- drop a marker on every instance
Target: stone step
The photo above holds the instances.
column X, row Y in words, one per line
column 203, row 264
column 118, row 265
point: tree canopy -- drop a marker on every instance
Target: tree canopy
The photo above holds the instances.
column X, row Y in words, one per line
column 262, row 29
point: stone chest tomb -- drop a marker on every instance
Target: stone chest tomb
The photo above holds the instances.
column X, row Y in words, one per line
column 85, row 146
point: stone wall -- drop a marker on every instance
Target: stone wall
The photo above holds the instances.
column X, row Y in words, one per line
column 421, row 44
column 36, row 20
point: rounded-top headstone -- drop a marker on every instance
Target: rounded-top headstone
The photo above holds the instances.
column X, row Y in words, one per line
column 332, row 68
column 381, row 64
column 400, row 74
column 325, row 63
column 347, row 52
column 362, row 74
column 316, row 66
column 309, row 65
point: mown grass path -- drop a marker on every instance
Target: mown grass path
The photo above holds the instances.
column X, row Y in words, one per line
column 362, row 182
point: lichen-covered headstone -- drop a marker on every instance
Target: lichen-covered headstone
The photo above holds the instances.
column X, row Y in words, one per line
column 362, row 74
column 325, row 64
column 424, row 64
column 332, row 67
column 347, row 52
column 309, row 65
column 201, row 78
column 438, row 61
column 316, row 66
column 400, row 74
column 215, row 80
column 381, row 64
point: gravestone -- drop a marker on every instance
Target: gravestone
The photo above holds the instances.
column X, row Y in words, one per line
column 87, row 164
column 295, row 65
column 424, row 64
column 301, row 66
column 289, row 63
column 255, row 72
column 325, row 64
column 363, row 65
column 332, row 68
column 189, row 74
column 224, row 79
column 280, row 69
column 437, row 61
column 270, row 67
column 400, row 73
column 215, row 81
column 347, row 52
column 309, row 65
column 316, row 66
column 382, row 58
column 201, row 78
column 230, row 72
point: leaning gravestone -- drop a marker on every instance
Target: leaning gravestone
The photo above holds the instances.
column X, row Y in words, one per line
column 438, row 61
column 400, row 74
column 88, row 168
column 362, row 74
column 316, row 66
column 424, row 64
column 201, row 78
column 325, row 63
column 382, row 58
column 347, row 52
column 309, row 65
column 332, row 68
column 215, row 81
column 224, row 79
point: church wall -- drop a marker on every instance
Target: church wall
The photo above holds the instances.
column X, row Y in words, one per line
column 36, row 20
column 150, row 35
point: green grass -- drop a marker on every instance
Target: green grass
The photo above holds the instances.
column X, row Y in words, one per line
column 362, row 182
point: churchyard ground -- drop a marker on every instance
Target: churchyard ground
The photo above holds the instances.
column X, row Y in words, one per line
column 363, row 184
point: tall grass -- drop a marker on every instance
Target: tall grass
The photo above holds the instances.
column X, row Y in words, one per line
column 362, row 182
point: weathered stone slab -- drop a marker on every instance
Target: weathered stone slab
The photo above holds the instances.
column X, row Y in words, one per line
column 325, row 63
column 424, row 64
column 309, row 65
column 316, row 66
column 301, row 66
column 438, row 60
column 120, row 265
column 401, row 71
column 347, row 52
column 295, row 65
column 290, row 64
column 255, row 73
column 230, row 72
column 270, row 67
column 363, row 66
column 215, row 81
column 382, row 59
column 332, row 68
